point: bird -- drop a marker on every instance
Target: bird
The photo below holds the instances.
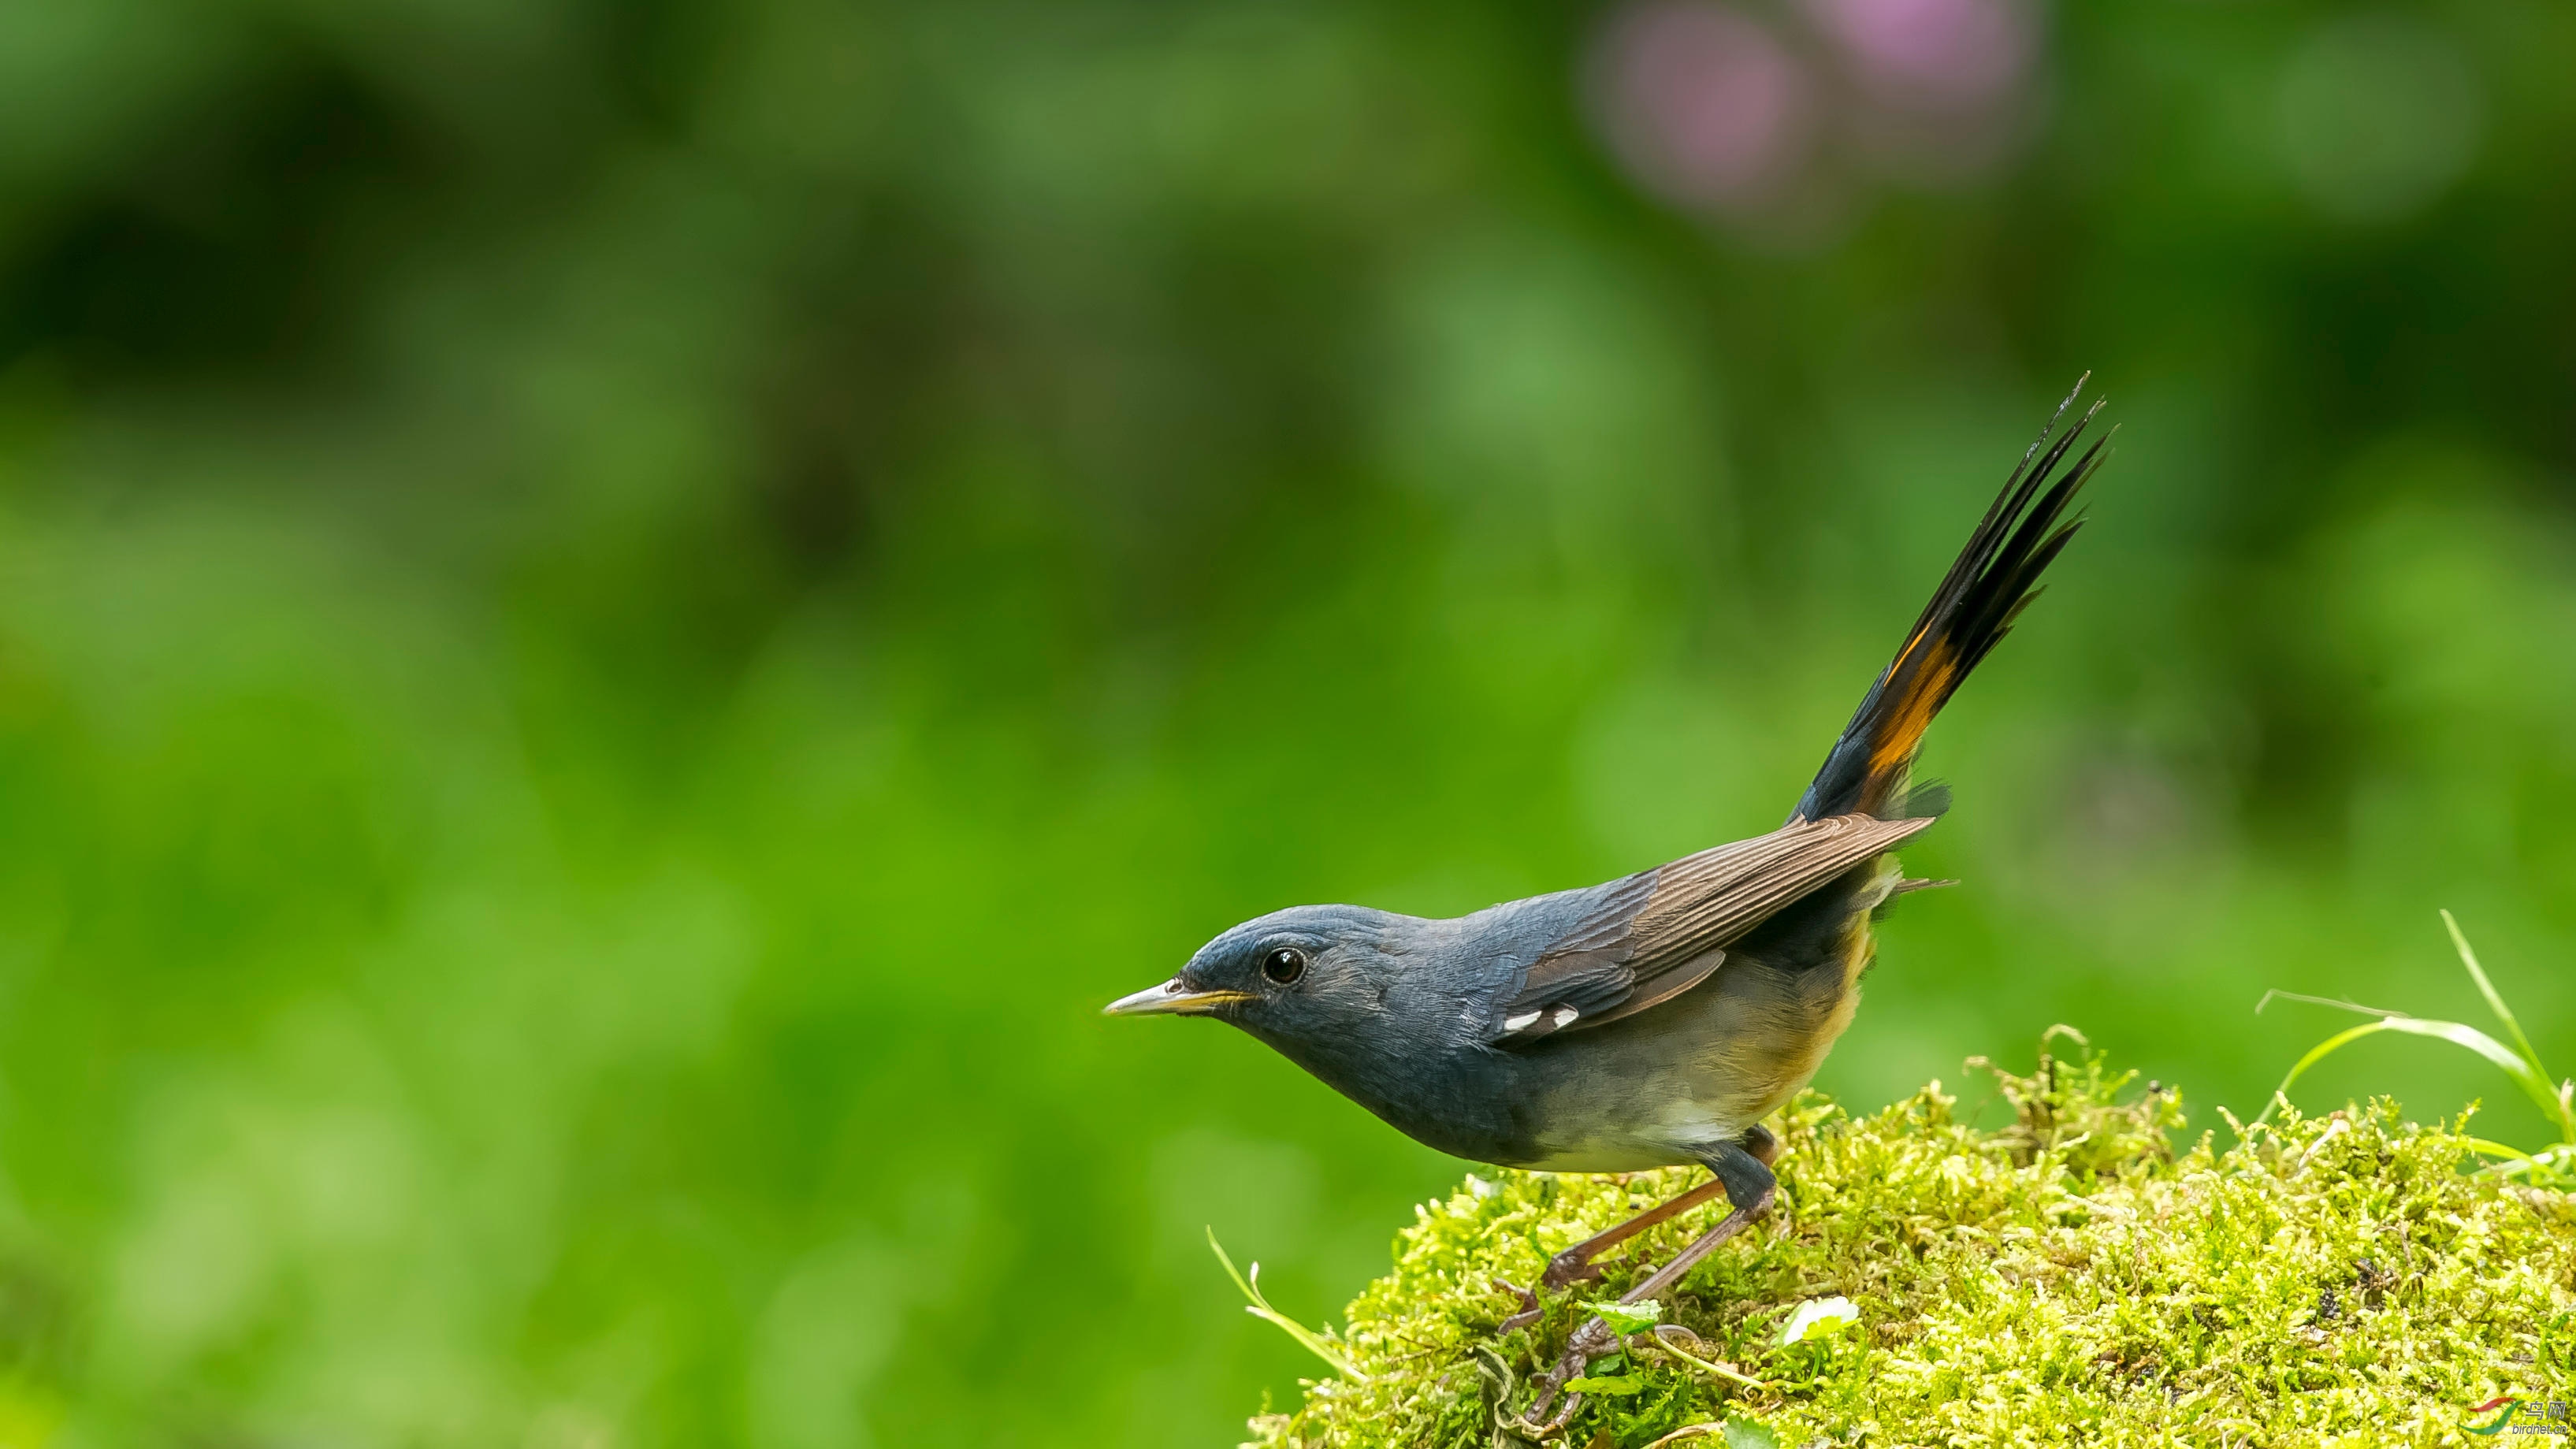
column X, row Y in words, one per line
column 1653, row 1020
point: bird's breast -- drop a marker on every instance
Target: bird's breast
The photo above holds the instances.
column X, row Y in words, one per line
column 1661, row 1087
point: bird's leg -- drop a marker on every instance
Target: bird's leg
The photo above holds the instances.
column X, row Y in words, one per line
column 1758, row 1141
column 1576, row 1262
column 1743, row 1170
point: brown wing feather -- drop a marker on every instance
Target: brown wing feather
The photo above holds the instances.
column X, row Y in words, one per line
column 1711, row 898
column 1665, row 930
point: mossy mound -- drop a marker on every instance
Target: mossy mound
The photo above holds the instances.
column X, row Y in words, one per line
column 2068, row 1279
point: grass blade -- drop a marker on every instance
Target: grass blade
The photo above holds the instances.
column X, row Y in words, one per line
column 2548, row 1165
column 2529, row 1077
column 1259, row 1307
column 1715, row 1370
column 2552, row 1104
column 2336, row 1002
column 2486, row 988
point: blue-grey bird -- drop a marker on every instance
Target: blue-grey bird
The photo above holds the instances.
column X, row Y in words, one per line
column 1652, row 1020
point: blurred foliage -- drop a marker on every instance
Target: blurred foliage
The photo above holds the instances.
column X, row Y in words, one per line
column 616, row 621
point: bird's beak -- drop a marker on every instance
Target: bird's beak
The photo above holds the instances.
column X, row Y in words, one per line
column 1172, row 998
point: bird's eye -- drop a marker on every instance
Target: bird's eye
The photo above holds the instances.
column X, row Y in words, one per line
column 1284, row 966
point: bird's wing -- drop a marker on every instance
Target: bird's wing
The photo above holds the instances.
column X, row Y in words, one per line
column 1656, row 934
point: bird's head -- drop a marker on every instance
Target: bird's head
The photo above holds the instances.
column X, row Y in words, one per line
column 1384, row 1009
column 1294, row 976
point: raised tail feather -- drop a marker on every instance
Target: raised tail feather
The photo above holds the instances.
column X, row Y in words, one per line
column 1994, row 578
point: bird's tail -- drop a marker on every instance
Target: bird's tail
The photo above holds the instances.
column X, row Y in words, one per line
column 1993, row 580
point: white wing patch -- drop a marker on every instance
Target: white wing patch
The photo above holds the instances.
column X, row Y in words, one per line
column 1546, row 1021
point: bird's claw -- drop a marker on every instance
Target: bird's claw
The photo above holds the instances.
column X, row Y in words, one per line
column 1567, row 1268
column 1563, row 1270
column 1527, row 1423
column 1589, row 1342
column 1520, row 1423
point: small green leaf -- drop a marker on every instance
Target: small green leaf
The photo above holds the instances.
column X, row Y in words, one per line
column 1819, row 1318
column 1610, row 1387
column 1630, row 1317
column 1750, row 1434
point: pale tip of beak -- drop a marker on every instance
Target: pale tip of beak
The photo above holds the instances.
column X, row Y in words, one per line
column 1172, row 998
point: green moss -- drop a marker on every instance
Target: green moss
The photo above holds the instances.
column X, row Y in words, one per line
column 2070, row 1278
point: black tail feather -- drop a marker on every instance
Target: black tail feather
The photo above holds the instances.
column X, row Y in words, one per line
column 1994, row 578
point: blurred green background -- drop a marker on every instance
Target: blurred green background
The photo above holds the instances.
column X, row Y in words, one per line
column 617, row 620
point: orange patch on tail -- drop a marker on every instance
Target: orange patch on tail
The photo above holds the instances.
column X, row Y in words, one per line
column 1913, row 711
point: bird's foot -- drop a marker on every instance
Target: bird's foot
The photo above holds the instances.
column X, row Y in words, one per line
column 1574, row 1265
column 1595, row 1337
column 1579, row 1263
column 1591, row 1341
column 1568, row 1267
